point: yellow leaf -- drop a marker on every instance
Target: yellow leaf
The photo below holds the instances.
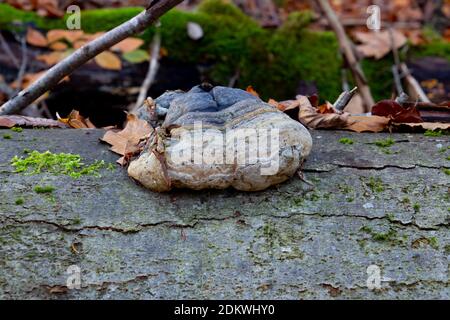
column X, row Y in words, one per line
column 108, row 60
column 35, row 38
column 128, row 45
column 59, row 34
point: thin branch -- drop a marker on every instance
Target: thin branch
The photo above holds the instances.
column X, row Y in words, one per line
column 64, row 68
column 23, row 64
column 152, row 70
column 344, row 99
column 8, row 51
column 348, row 53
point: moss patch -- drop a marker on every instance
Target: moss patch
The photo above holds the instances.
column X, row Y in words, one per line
column 44, row 189
column 61, row 163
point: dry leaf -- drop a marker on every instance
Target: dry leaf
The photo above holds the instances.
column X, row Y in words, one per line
column 53, row 58
column 367, row 123
column 393, row 110
column 108, row 60
column 58, row 46
column 309, row 116
column 59, row 34
column 423, row 126
column 76, row 120
column 378, row 44
column 128, row 45
column 252, row 91
column 22, row 121
column 35, row 38
column 127, row 141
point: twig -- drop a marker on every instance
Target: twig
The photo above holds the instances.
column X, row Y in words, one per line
column 348, row 53
column 396, row 67
column 344, row 99
column 152, row 70
column 23, row 64
column 234, row 78
column 8, row 51
column 413, row 84
column 62, row 69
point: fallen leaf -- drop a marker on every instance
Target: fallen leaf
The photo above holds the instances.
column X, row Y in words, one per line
column 252, row 91
column 326, row 108
column 127, row 141
column 35, row 38
column 310, row 117
column 108, row 60
column 367, row 123
column 378, row 44
column 423, row 126
column 53, row 58
column 22, row 121
column 393, row 110
column 59, row 34
column 136, row 56
column 128, row 45
column 76, row 120
column 58, row 46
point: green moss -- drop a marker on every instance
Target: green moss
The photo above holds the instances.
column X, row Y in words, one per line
column 375, row 184
column 44, row 189
column 346, row 141
column 366, row 229
column 386, row 143
column 7, row 136
column 17, row 129
column 447, row 171
column 434, row 242
column 431, row 133
column 19, row 201
column 61, row 163
column 416, row 207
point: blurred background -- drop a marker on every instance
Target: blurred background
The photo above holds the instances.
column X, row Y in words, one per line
column 279, row 47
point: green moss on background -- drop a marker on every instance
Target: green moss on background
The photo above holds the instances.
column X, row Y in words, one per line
column 272, row 61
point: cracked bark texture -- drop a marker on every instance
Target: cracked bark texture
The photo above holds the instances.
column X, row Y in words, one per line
column 292, row 241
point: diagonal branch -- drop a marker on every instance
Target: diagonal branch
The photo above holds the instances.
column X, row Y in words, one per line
column 64, row 68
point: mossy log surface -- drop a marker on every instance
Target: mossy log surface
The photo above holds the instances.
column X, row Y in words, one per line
column 369, row 206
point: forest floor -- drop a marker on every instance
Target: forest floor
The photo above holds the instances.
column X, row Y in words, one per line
column 384, row 207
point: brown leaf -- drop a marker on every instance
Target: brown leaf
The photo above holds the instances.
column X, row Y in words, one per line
column 252, row 91
column 326, row 108
column 22, row 121
column 127, row 141
column 284, row 105
column 58, row 46
column 378, row 44
column 76, row 120
column 60, row 34
column 423, row 126
column 309, row 117
column 108, row 60
column 393, row 110
column 367, row 123
column 128, row 45
column 35, row 38
column 53, row 58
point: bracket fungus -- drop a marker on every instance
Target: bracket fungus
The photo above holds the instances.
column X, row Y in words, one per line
column 218, row 137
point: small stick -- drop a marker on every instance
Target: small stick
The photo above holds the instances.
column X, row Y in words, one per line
column 344, row 99
column 152, row 70
column 8, row 51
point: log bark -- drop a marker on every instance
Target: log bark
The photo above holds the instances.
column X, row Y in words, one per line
column 64, row 68
column 289, row 242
